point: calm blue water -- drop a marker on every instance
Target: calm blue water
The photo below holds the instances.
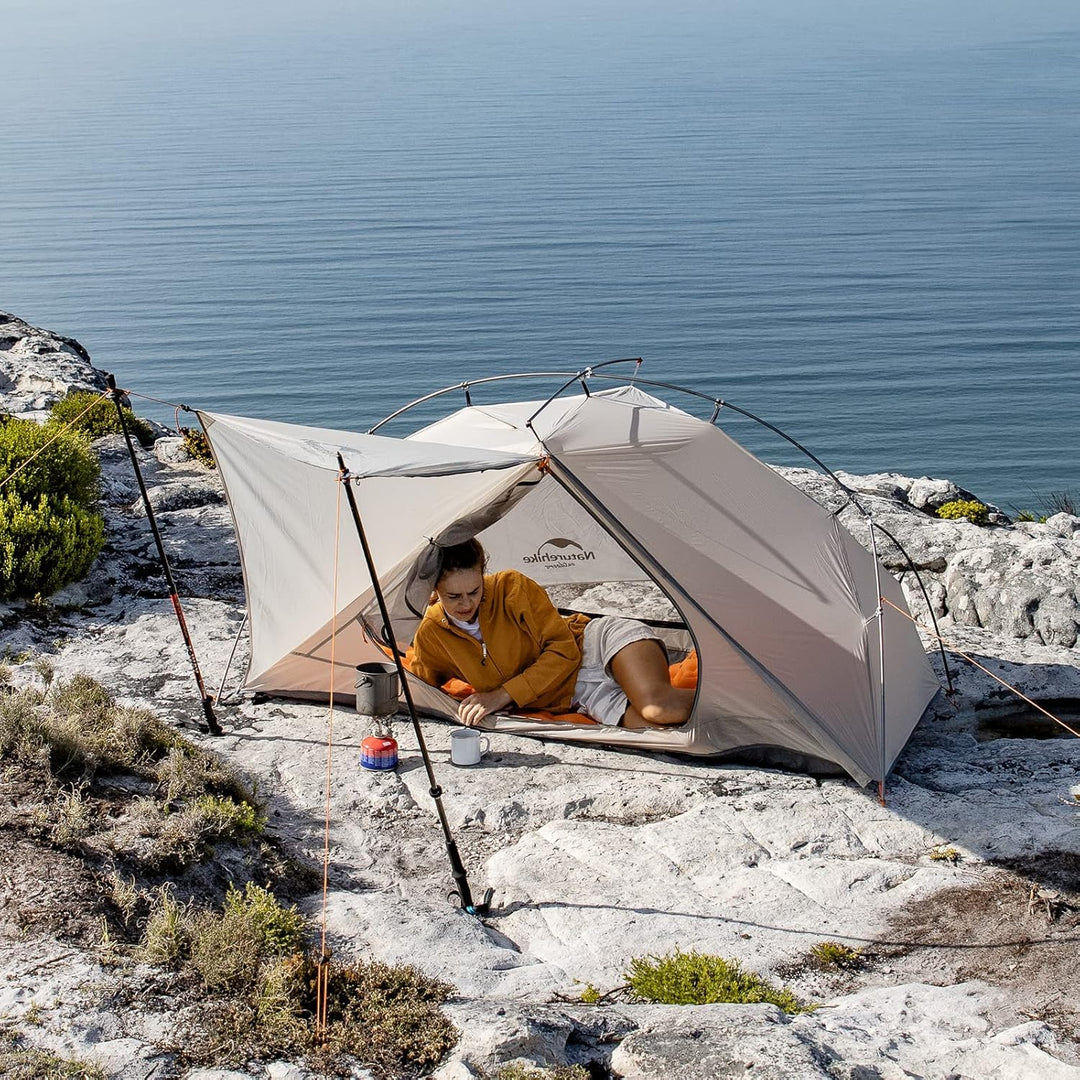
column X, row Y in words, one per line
column 862, row 224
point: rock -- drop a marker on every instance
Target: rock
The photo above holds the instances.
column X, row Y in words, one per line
column 704, row 1042
column 38, row 368
column 930, row 495
column 596, row 856
column 171, row 450
column 1067, row 525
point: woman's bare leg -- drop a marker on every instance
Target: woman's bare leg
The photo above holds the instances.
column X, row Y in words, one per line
column 641, row 669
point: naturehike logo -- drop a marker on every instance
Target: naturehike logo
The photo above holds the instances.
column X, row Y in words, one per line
column 560, row 552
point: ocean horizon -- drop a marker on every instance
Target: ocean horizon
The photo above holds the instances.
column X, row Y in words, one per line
column 861, row 225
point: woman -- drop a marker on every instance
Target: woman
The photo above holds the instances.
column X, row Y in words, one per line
column 501, row 634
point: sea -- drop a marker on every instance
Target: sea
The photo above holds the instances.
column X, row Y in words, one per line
column 858, row 220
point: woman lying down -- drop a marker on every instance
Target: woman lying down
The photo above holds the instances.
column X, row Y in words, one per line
column 501, row 634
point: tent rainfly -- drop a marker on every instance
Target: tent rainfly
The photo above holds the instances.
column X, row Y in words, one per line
column 780, row 601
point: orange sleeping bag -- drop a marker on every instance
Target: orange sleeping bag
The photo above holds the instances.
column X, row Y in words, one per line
column 683, row 674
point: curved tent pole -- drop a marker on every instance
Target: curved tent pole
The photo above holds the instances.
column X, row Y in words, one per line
column 718, row 404
column 879, row 616
column 926, row 597
column 466, row 386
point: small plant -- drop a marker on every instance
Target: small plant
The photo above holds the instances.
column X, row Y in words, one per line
column 946, row 854
column 45, row 669
column 22, row 1063
column 221, row 817
column 198, row 446
column 101, row 419
column 516, row 1071
column 1061, row 502
column 70, row 818
column 832, row 955
column 167, row 938
column 109, row 951
column 693, row 978
column 590, row 995
column 34, row 1015
column 123, row 892
column 976, row 512
column 279, row 931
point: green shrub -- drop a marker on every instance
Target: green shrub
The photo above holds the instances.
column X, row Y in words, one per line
column 388, row 1017
column 693, row 978
column 67, row 468
column 229, row 950
column 832, row 955
column 976, row 512
column 49, row 533
column 101, row 419
column 946, row 854
column 279, row 931
column 222, row 818
column 45, row 545
column 198, row 446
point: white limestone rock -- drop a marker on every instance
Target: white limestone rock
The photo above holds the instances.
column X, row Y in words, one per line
column 38, row 368
column 598, row 856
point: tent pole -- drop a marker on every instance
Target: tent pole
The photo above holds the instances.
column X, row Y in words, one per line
column 212, row 725
column 881, row 660
column 457, row 868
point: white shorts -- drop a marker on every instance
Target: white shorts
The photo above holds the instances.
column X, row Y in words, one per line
column 596, row 692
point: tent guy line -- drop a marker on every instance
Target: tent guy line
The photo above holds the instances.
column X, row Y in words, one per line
column 985, row 670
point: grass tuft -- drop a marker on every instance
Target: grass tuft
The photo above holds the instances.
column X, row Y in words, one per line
column 693, row 978
column 30, row 1064
column 166, row 940
column 833, row 956
column 517, row 1071
column 945, row 854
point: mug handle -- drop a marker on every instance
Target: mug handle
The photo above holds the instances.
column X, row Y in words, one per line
column 484, row 748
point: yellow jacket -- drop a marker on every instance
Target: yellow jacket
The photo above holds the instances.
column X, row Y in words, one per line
column 529, row 649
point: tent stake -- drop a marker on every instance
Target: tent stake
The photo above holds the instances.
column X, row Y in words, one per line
column 457, row 868
column 212, row 725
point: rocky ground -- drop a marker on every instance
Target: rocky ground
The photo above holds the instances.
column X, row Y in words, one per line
column 962, row 893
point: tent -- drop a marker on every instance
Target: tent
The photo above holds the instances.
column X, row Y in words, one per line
column 796, row 654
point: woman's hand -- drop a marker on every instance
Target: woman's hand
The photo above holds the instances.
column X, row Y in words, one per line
column 475, row 707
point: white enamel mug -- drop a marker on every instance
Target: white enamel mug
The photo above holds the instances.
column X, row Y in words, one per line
column 465, row 746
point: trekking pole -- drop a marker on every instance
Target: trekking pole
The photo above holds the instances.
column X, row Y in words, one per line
column 212, row 726
column 457, row 868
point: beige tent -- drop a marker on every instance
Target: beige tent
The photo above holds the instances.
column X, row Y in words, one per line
column 779, row 600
